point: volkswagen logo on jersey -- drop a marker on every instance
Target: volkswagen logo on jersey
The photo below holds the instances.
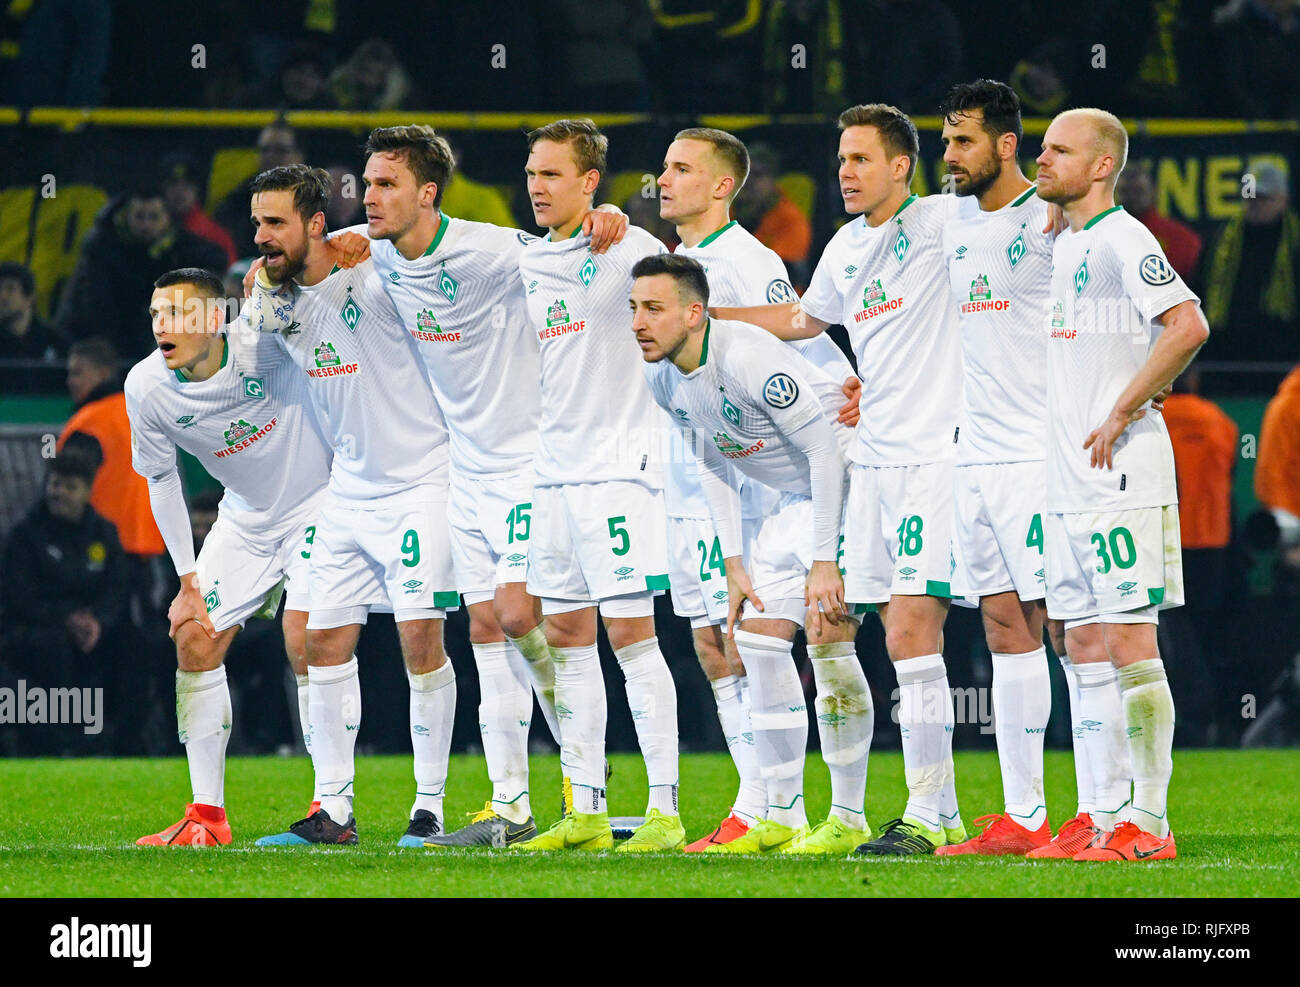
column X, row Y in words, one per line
column 1155, row 270
column 780, row 291
column 780, row 391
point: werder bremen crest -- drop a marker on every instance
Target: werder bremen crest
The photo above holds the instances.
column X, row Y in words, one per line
column 557, row 314
column 326, row 355
column 238, row 431
column 873, row 294
column 1017, row 249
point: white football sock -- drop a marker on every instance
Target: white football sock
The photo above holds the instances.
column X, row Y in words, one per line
column 1102, row 715
column 1149, row 716
column 779, row 718
column 582, row 711
column 335, row 717
column 203, row 726
column 845, row 724
column 730, row 694
column 433, row 713
column 504, row 712
column 1022, row 703
column 541, row 672
column 1082, row 769
column 652, row 697
column 925, row 717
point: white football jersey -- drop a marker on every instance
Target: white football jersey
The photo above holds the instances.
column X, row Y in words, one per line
column 1000, row 274
column 749, row 392
column 1110, row 283
column 369, row 388
column 598, row 421
column 462, row 304
column 250, row 425
column 888, row 286
column 741, row 272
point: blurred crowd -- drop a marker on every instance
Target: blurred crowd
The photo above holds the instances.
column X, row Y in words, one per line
column 1230, row 58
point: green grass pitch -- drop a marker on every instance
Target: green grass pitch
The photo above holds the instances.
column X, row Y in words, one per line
column 67, row 829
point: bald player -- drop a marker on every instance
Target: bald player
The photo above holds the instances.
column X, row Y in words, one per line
column 1121, row 326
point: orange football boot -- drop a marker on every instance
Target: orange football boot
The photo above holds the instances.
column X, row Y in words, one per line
column 1130, row 842
column 1077, row 834
column 202, row 825
column 731, row 828
column 1000, row 836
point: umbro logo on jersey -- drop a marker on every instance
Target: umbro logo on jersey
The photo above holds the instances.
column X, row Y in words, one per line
column 186, row 421
column 849, row 271
column 907, row 572
column 780, row 291
column 350, row 313
column 720, row 594
column 532, row 287
column 291, row 329
column 587, row 271
column 394, row 277
column 681, row 413
column 961, row 253
column 780, row 391
column 624, row 572
column 448, row 285
column 254, row 388
column 412, row 586
column 1126, row 588
column 516, row 557
column 1155, row 270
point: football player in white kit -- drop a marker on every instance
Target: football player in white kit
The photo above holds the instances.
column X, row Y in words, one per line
column 598, row 537
column 884, row 278
column 704, row 169
column 757, row 410
column 999, row 267
column 456, row 286
column 230, row 397
column 1121, row 326
column 381, row 536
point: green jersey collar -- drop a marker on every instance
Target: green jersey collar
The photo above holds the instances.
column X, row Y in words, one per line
column 906, row 202
column 713, row 236
column 1100, row 216
column 443, row 222
column 1021, row 199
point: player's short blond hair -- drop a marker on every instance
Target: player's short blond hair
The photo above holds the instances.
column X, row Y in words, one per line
column 729, row 149
column 588, row 144
column 1109, row 134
